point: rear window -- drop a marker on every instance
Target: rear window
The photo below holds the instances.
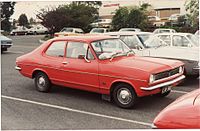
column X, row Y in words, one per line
column 56, row 49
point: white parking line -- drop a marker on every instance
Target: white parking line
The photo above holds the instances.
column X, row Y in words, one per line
column 25, row 46
column 181, row 92
column 15, row 52
column 77, row 111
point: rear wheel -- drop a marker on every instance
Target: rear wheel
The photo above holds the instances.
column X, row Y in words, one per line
column 124, row 96
column 42, row 82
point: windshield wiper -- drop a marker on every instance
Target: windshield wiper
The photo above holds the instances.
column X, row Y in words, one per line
column 114, row 55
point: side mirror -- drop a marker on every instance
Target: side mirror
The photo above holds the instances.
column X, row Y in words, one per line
column 83, row 57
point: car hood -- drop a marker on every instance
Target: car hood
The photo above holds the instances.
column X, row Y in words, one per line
column 183, row 102
column 190, row 53
column 147, row 64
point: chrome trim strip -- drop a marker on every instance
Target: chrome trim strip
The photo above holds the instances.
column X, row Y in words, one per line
column 163, row 84
column 80, row 72
column 18, row 68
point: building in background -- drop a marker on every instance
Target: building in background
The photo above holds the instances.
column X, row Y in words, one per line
column 160, row 8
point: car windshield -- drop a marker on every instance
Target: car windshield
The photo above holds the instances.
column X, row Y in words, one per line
column 194, row 39
column 131, row 41
column 108, row 48
column 67, row 30
column 97, row 31
column 143, row 37
column 153, row 42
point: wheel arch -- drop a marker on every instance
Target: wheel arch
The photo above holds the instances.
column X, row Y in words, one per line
column 117, row 82
column 38, row 70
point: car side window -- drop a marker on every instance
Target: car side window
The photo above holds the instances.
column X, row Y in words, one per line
column 75, row 49
column 56, row 49
column 180, row 41
column 165, row 38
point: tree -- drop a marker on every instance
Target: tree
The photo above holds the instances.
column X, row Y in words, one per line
column 32, row 21
column 23, row 20
column 72, row 15
column 135, row 17
column 7, row 9
column 193, row 7
column 120, row 18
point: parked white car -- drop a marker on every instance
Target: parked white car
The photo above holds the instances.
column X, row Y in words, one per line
column 135, row 40
column 101, row 23
column 98, row 30
column 163, row 30
column 197, row 33
column 20, row 30
column 38, row 29
column 130, row 29
column 68, row 31
column 179, row 46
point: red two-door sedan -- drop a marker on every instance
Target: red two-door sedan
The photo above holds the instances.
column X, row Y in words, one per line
column 183, row 113
column 101, row 64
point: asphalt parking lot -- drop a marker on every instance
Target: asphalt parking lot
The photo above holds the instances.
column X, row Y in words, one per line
column 63, row 108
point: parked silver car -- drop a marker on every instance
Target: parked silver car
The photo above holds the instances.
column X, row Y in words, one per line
column 5, row 43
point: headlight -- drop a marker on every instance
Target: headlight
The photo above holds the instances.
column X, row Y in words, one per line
column 180, row 69
column 151, row 79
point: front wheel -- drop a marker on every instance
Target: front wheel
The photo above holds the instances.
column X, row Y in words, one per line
column 42, row 82
column 124, row 96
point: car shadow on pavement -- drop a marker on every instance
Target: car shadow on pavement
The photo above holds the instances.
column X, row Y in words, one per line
column 143, row 103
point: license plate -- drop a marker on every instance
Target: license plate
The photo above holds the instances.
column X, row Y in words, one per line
column 165, row 89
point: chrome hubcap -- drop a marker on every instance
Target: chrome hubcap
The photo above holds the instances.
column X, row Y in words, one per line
column 124, row 96
column 41, row 81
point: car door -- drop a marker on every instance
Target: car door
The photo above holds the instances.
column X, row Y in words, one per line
column 52, row 60
column 80, row 67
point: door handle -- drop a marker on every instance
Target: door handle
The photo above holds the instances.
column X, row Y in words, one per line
column 64, row 62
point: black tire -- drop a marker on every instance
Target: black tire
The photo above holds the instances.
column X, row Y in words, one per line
column 127, row 101
column 42, row 82
column 35, row 33
column 164, row 94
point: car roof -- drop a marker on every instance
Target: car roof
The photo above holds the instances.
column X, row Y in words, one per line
column 163, row 29
column 174, row 34
column 127, row 33
column 88, row 38
column 71, row 28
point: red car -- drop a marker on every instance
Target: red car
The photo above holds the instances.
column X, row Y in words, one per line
column 182, row 113
column 101, row 64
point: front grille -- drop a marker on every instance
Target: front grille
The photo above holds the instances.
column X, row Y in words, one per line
column 166, row 74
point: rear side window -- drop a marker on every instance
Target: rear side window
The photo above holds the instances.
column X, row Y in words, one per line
column 165, row 38
column 56, row 49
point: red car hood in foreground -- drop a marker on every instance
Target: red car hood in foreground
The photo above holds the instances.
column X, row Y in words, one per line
column 182, row 113
column 147, row 64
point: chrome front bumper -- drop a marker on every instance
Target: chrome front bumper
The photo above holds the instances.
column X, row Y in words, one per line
column 18, row 68
column 163, row 84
